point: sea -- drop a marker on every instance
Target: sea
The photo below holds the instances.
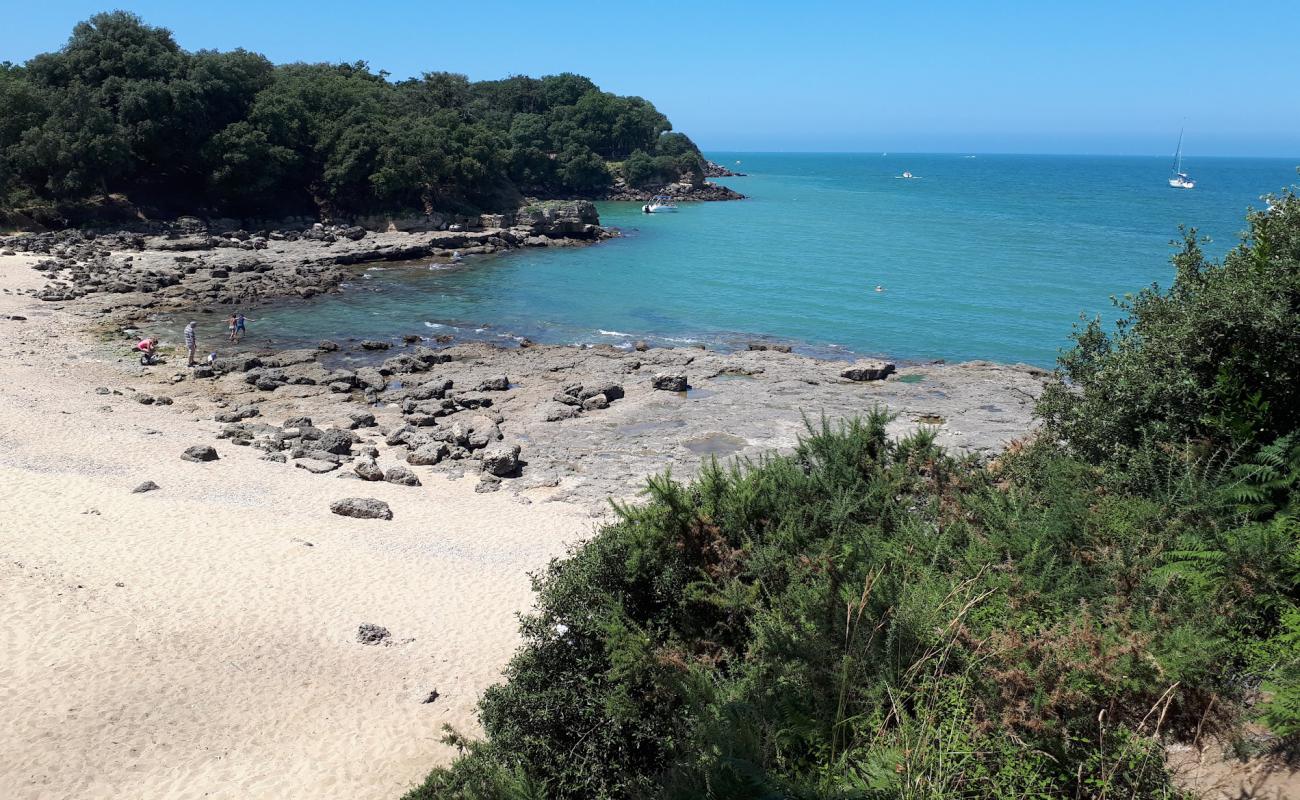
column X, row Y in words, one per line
column 975, row 257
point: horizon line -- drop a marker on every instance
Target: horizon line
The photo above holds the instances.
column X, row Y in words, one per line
column 1295, row 157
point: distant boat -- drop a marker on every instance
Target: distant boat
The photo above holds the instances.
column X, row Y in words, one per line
column 907, row 175
column 1180, row 179
column 659, row 204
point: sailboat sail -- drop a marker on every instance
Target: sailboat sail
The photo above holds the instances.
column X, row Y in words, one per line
column 1180, row 179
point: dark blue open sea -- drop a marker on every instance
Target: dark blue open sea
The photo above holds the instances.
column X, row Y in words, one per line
column 988, row 256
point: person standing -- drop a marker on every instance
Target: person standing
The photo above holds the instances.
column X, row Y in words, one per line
column 240, row 325
column 191, row 342
column 230, row 325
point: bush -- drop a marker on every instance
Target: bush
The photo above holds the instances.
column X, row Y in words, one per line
column 874, row 618
column 1215, row 360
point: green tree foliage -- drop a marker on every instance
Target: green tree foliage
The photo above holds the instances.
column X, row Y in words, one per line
column 872, row 618
column 122, row 108
column 1215, row 359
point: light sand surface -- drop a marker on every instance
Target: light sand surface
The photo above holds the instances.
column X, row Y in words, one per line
column 200, row 640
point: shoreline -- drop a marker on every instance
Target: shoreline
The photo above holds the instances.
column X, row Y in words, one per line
column 539, row 393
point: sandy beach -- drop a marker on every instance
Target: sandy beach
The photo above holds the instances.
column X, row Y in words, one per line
column 200, row 640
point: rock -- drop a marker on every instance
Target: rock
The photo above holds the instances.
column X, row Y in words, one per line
column 473, row 400
column 411, row 338
column 203, row 371
column 327, row 346
column 868, row 371
column 497, row 383
column 482, row 432
column 401, row 475
column 428, row 454
column 199, row 453
column 239, row 413
column 776, row 348
column 278, row 458
column 297, row 422
column 372, row 378
column 566, row 399
column 554, row 412
column 501, row 460
column 316, row 466
column 372, row 634
column 362, row 508
column 430, row 697
column 368, row 470
column 595, row 402
column 361, row 419
column 488, row 483
column 147, row 486
column 640, row 347
column 374, row 344
column 337, row 442
column 670, row 382
column 612, row 391
column 144, row 399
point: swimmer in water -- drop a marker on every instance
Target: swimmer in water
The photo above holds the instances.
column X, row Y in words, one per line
column 879, row 288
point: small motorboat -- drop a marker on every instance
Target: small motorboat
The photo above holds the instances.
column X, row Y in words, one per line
column 659, row 204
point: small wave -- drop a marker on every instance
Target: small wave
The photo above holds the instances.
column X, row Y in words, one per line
column 681, row 339
column 611, row 333
column 438, row 325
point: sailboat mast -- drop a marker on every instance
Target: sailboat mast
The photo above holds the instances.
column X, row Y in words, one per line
column 1178, row 154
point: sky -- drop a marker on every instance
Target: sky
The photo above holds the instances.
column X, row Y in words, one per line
column 1097, row 77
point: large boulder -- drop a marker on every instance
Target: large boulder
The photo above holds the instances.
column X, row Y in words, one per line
column 367, row 470
column 337, row 441
column 362, row 508
column 497, row 383
column 481, row 432
column 428, row 454
column 501, row 459
column 369, row 377
column 868, row 371
column 612, row 391
column 401, row 475
column 670, row 382
column 200, row 453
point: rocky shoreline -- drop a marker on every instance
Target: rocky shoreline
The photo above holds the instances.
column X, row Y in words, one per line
column 563, row 423
column 192, row 262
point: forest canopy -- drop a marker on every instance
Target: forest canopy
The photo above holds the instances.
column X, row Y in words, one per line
column 122, row 108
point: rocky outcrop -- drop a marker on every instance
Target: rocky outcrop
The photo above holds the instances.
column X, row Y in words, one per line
column 868, row 371
column 713, row 169
column 679, row 192
column 190, row 261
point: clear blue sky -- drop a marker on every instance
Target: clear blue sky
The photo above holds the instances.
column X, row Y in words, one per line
column 1027, row 77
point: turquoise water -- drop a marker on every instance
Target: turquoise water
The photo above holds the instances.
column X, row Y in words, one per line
column 988, row 257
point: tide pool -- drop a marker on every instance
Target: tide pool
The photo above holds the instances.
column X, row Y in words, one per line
column 990, row 257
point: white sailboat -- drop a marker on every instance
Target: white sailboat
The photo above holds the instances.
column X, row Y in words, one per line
column 1180, row 179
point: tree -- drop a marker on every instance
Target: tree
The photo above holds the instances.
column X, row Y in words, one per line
column 1215, row 359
